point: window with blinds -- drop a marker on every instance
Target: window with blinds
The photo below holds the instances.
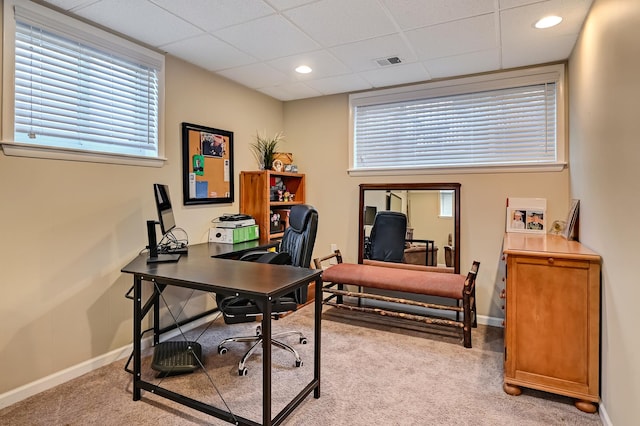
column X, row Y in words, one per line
column 492, row 123
column 79, row 89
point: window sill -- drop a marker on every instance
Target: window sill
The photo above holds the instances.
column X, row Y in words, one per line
column 449, row 170
column 14, row 149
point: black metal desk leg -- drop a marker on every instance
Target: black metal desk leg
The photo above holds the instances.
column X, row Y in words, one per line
column 157, row 289
column 266, row 363
column 137, row 335
column 317, row 330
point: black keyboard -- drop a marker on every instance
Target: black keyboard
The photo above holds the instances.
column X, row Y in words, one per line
column 176, row 357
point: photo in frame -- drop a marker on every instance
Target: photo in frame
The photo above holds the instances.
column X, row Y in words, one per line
column 526, row 215
column 207, row 165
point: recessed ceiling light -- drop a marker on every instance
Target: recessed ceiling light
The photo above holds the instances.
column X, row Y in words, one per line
column 548, row 22
column 304, row 69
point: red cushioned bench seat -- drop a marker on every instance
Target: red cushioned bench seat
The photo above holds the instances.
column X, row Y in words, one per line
column 460, row 288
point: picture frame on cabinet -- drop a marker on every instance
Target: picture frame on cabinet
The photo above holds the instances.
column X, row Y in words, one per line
column 526, row 215
column 570, row 231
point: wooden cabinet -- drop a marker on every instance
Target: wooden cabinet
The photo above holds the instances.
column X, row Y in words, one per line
column 255, row 199
column 552, row 327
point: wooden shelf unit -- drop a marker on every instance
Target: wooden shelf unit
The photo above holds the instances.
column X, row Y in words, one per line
column 255, row 192
column 552, row 327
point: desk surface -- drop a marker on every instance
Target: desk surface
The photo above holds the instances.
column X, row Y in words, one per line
column 199, row 269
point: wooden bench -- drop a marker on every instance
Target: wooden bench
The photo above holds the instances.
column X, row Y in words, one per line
column 459, row 288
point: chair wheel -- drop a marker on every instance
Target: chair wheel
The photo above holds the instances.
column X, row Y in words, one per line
column 299, row 363
column 303, row 340
column 243, row 371
column 222, row 350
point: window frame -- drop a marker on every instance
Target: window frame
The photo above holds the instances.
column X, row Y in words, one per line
column 445, row 203
column 464, row 85
column 112, row 42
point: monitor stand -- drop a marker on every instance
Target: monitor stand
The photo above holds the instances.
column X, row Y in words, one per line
column 161, row 258
column 154, row 257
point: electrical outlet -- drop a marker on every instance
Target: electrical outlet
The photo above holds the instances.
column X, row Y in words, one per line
column 334, row 247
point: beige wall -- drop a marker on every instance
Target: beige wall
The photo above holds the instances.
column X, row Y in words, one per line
column 320, row 129
column 69, row 227
column 605, row 176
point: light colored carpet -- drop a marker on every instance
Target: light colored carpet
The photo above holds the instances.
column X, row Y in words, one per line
column 372, row 374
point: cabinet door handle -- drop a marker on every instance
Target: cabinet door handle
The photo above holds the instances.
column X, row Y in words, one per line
column 551, row 260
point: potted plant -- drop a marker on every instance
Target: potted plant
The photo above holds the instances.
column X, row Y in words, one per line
column 264, row 149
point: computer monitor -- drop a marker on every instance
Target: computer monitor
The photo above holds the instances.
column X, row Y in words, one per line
column 167, row 223
column 163, row 204
column 370, row 214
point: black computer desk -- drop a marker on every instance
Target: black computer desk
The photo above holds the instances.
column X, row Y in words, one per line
column 206, row 268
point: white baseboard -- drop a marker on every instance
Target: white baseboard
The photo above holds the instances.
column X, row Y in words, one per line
column 606, row 421
column 491, row 321
column 55, row 379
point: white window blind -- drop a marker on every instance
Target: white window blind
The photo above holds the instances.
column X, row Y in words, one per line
column 79, row 92
column 510, row 119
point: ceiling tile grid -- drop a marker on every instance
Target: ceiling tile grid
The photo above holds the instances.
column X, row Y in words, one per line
column 258, row 43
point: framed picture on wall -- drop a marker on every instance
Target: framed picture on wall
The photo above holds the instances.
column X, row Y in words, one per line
column 527, row 215
column 207, row 165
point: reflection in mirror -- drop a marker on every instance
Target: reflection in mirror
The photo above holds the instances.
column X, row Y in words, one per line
column 431, row 234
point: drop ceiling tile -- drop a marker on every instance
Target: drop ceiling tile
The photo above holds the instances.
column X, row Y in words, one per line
column 70, row 4
column 209, row 53
column 361, row 55
column 334, row 22
column 211, row 15
column 508, row 4
column 523, row 44
column 410, row 14
column 339, row 84
column 140, row 20
column 517, row 23
column 255, row 76
column 268, row 38
column 321, row 62
column 468, row 63
column 454, row 38
column 528, row 53
column 289, row 92
column 289, row 4
column 396, row 74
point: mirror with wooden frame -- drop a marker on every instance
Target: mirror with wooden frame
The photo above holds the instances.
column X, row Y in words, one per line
column 432, row 213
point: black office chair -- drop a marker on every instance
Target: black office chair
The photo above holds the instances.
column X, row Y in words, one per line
column 295, row 249
column 388, row 236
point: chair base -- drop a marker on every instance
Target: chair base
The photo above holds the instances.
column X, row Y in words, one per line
column 257, row 343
